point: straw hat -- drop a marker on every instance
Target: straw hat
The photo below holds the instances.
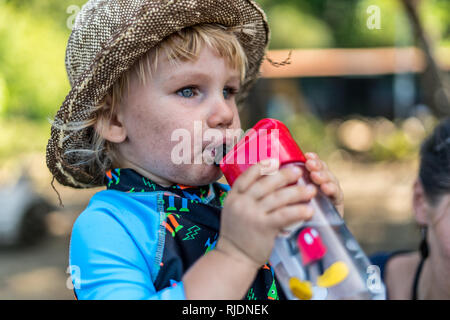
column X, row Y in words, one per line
column 109, row 36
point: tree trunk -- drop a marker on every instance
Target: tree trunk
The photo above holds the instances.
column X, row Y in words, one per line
column 434, row 80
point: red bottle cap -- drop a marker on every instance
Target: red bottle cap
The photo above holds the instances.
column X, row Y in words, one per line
column 268, row 139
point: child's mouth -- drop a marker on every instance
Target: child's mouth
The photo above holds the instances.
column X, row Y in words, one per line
column 218, row 153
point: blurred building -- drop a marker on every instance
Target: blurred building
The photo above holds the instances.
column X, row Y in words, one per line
column 338, row 83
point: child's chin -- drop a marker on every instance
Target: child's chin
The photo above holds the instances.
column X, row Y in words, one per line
column 205, row 175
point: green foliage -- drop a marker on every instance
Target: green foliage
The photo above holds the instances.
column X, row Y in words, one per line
column 435, row 15
column 3, row 95
column 311, row 134
column 395, row 29
column 55, row 10
column 33, row 37
column 395, row 146
column 32, row 63
column 20, row 136
column 343, row 23
column 294, row 29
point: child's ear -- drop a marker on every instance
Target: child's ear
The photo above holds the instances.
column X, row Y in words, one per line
column 420, row 204
column 111, row 129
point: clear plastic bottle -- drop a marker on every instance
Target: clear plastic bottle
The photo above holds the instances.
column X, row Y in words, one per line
column 313, row 260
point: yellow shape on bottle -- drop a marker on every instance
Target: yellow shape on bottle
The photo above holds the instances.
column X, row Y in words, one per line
column 301, row 289
column 334, row 275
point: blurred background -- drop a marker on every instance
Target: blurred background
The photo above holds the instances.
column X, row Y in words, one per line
column 360, row 82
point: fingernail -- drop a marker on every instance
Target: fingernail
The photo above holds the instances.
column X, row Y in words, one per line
column 270, row 161
column 269, row 166
column 310, row 188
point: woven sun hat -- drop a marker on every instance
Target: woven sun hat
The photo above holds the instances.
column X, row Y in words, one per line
column 109, row 37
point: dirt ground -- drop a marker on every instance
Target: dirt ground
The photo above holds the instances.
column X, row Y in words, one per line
column 377, row 211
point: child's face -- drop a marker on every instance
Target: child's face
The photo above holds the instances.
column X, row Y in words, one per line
column 176, row 97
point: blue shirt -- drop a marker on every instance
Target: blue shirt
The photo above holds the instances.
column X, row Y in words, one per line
column 116, row 248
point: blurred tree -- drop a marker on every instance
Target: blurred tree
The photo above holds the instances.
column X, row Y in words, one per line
column 33, row 36
column 343, row 23
column 295, row 29
column 55, row 10
column 435, row 81
column 31, row 63
column 435, row 16
column 3, row 95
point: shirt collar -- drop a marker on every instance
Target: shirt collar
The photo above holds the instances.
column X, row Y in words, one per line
column 128, row 180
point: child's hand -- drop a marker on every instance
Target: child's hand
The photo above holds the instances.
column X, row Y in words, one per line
column 257, row 208
column 322, row 176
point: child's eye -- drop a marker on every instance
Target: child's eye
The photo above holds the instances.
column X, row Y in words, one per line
column 187, row 92
column 229, row 92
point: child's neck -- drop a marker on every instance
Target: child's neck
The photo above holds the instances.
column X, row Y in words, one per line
column 153, row 177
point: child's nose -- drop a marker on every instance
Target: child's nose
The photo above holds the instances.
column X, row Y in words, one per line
column 221, row 115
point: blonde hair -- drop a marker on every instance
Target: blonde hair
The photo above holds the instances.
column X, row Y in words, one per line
column 184, row 45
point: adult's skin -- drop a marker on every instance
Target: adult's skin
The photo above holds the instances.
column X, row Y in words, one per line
column 429, row 267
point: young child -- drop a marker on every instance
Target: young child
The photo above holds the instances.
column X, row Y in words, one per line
column 139, row 71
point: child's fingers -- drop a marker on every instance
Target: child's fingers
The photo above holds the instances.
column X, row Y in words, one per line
column 249, row 176
column 288, row 196
column 313, row 162
column 267, row 184
column 316, row 165
column 330, row 189
column 311, row 155
column 333, row 191
column 288, row 215
column 320, row 177
column 328, row 184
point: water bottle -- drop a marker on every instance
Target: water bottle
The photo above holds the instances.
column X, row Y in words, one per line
column 317, row 259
